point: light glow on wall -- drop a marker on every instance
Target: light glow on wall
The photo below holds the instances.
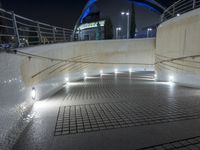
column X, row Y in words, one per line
column 33, row 93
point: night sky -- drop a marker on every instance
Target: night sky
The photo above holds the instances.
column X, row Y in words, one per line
column 64, row 13
column 56, row 12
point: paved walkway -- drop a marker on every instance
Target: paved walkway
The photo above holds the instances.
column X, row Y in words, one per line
column 116, row 112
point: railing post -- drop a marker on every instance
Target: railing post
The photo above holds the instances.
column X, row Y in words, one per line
column 54, row 34
column 15, row 28
column 39, row 32
column 194, row 4
column 64, row 36
column 162, row 17
column 173, row 10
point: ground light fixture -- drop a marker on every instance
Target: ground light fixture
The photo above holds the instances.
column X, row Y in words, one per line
column 171, row 78
column 130, row 70
column 178, row 15
column 101, row 72
column 116, row 71
column 33, row 93
column 66, row 79
column 155, row 76
column 85, row 75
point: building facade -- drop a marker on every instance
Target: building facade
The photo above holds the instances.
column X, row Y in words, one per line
column 91, row 31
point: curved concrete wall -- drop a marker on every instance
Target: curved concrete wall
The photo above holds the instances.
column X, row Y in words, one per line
column 113, row 51
column 179, row 37
column 20, row 73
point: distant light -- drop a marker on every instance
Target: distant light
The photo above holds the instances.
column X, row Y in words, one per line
column 119, row 29
column 149, row 29
column 33, row 93
column 178, row 15
column 130, row 70
column 66, row 79
column 171, row 78
column 122, row 13
column 127, row 13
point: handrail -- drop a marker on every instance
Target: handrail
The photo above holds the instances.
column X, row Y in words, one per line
column 18, row 31
column 30, row 56
column 74, row 61
column 178, row 58
column 179, row 7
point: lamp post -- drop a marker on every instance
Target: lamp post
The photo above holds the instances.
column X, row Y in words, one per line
column 128, row 22
column 148, row 31
column 118, row 29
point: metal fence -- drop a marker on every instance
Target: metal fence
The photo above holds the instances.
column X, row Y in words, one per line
column 18, row 31
column 180, row 7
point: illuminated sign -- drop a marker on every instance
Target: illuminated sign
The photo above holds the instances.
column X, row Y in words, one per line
column 91, row 25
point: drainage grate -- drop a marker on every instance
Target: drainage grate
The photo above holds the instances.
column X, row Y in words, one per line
column 185, row 144
column 103, row 116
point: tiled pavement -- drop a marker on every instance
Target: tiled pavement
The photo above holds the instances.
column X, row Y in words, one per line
column 104, row 116
column 134, row 105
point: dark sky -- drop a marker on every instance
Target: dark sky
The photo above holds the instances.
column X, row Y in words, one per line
column 56, row 12
column 64, row 13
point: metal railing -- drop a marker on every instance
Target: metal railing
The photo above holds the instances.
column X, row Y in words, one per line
column 180, row 7
column 18, row 31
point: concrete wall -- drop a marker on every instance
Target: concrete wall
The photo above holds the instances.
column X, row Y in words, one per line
column 19, row 74
column 179, row 37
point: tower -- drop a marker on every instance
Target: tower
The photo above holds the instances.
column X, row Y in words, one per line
column 133, row 21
